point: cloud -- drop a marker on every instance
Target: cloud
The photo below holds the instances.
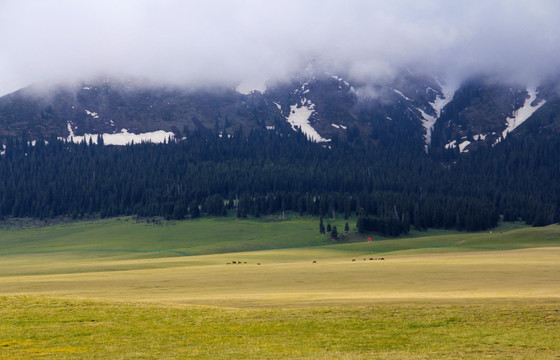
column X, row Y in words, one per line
column 194, row 43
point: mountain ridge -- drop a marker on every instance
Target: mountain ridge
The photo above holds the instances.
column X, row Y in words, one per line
column 324, row 106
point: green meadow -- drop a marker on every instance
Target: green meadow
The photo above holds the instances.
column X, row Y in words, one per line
column 123, row 289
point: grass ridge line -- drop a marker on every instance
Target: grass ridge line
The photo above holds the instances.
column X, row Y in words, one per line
column 99, row 250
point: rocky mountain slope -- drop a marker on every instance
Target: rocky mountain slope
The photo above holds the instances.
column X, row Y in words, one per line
column 325, row 107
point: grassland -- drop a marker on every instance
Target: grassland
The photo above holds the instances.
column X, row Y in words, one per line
column 118, row 289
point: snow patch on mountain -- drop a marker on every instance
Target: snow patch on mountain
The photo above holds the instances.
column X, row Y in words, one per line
column 299, row 118
column 523, row 113
column 301, row 113
column 122, row 138
column 402, row 95
column 451, row 145
column 463, row 145
column 341, row 82
column 439, row 103
column 92, row 114
column 428, row 123
column 69, row 126
column 249, row 86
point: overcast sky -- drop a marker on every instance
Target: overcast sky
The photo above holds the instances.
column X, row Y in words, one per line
column 224, row 42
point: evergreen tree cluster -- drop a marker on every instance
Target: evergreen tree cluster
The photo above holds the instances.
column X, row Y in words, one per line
column 387, row 226
column 265, row 172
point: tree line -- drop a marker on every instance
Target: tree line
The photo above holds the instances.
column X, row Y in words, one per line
column 267, row 172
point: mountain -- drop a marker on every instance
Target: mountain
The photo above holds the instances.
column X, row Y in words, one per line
column 409, row 151
column 487, row 112
column 410, row 108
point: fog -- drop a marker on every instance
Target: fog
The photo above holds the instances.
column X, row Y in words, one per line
column 194, row 43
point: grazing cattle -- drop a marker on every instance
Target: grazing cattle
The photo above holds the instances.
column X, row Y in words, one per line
column 234, row 262
column 364, row 259
column 371, row 258
column 353, row 259
column 258, row 263
column 382, row 258
column 314, row 261
column 244, row 262
column 228, row 263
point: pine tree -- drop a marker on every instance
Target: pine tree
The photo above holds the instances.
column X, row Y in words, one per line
column 321, row 227
column 334, row 233
column 194, row 210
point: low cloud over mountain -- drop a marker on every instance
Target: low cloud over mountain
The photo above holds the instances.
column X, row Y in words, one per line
column 188, row 43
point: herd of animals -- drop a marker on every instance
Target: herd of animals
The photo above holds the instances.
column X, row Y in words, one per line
column 314, row 261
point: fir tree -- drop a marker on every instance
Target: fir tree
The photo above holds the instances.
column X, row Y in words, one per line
column 334, row 233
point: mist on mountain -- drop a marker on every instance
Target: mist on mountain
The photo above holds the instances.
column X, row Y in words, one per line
column 223, row 43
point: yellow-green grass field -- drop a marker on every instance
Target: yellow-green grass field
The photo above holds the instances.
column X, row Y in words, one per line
column 125, row 290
